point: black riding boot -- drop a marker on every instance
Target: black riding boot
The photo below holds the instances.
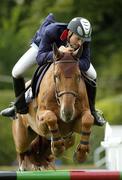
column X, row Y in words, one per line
column 91, row 91
column 20, row 105
column 19, row 88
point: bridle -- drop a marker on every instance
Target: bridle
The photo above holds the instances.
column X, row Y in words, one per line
column 58, row 93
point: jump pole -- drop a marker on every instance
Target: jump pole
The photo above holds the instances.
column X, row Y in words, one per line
column 61, row 175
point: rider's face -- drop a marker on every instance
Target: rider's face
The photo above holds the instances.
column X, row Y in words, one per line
column 75, row 41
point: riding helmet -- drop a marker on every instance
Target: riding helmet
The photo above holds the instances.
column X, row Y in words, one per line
column 81, row 27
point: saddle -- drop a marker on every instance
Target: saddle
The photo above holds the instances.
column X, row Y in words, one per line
column 37, row 78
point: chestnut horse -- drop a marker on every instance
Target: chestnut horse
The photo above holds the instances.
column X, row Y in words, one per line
column 60, row 110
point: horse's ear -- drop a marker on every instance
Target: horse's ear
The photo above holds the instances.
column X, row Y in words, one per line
column 78, row 52
column 56, row 52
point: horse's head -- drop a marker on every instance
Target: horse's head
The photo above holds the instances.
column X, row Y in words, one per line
column 67, row 78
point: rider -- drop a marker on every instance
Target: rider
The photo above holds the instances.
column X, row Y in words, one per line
column 68, row 37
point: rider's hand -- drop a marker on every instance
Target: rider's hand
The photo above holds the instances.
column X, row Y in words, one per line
column 66, row 49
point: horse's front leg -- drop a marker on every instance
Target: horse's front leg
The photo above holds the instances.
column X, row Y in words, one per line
column 83, row 148
column 57, row 143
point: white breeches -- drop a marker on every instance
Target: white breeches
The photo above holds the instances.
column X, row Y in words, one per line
column 25, row 62
column 29, row 59
column 91, row 72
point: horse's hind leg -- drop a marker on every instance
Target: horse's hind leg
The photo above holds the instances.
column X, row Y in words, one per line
column 21, row 140
column 57, row 143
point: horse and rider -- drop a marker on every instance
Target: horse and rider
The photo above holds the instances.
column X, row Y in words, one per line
column 65, row 102
column 68, row 37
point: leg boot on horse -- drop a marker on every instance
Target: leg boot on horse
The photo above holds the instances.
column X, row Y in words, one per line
column 84, row 128
column 50, row 119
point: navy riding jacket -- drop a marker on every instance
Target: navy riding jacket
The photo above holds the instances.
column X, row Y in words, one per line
column 50, row 32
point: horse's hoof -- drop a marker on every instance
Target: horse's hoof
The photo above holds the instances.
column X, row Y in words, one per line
column 58, row 148
column 78, row 159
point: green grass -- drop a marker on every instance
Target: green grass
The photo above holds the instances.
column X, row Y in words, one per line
column 7, row 149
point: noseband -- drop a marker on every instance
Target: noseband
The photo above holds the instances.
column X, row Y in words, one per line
column 58, row 94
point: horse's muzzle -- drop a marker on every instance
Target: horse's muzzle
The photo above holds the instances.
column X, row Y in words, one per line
column 67, row 115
